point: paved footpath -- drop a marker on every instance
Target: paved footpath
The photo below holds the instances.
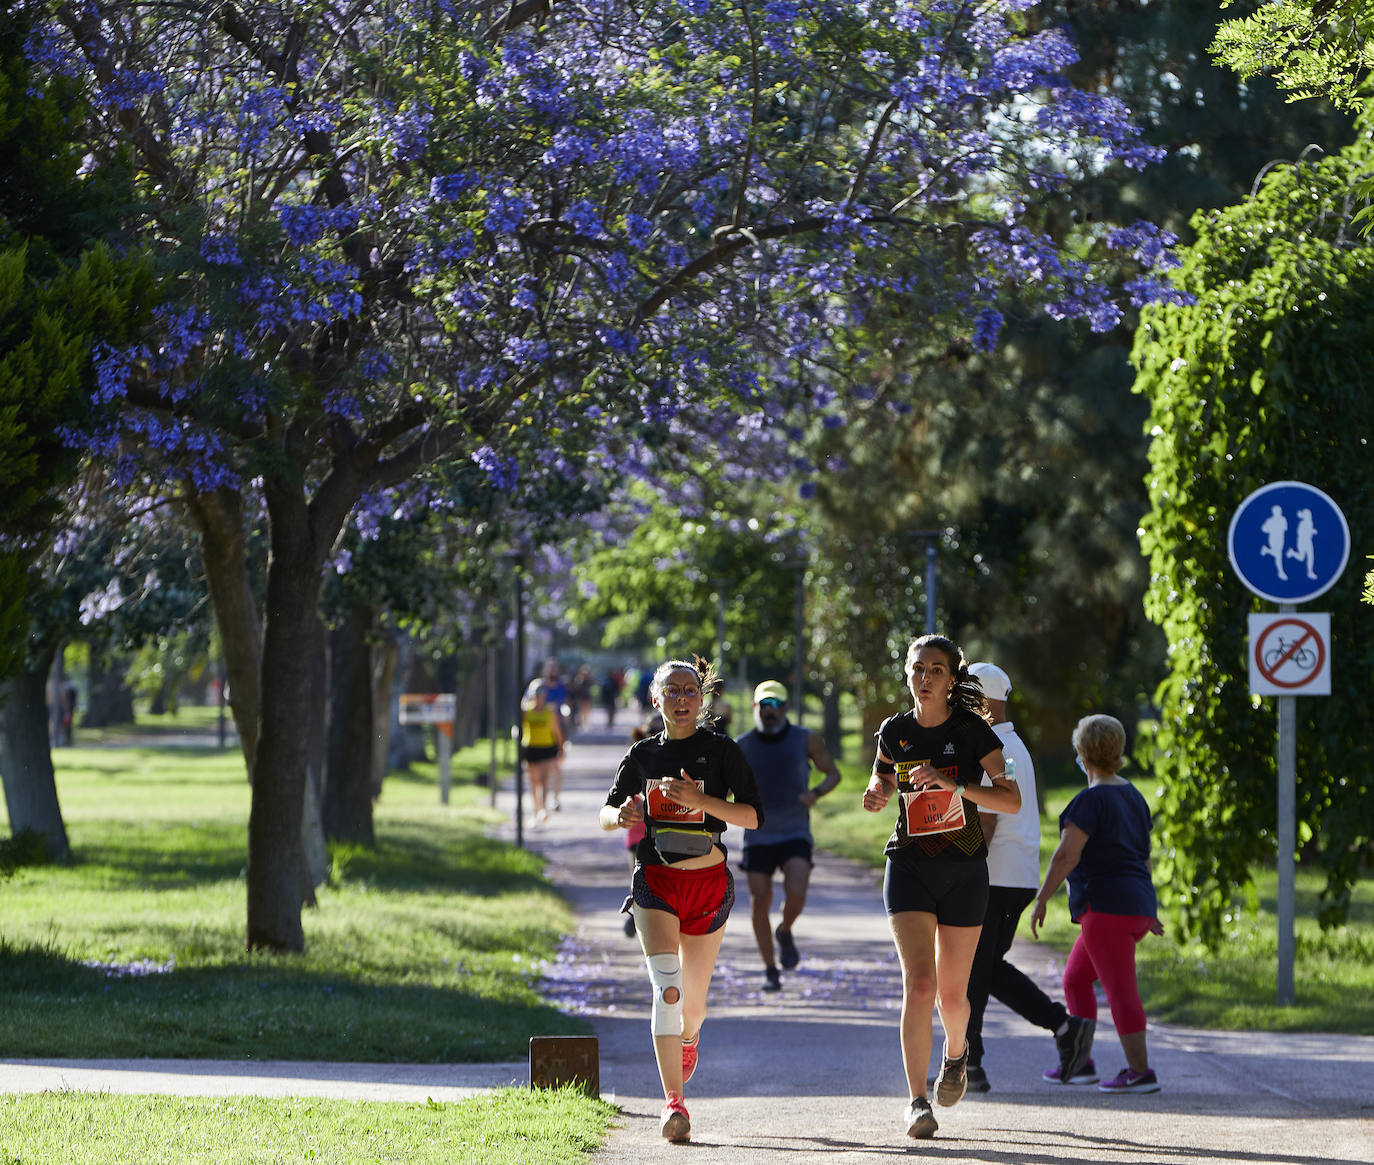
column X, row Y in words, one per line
column 816, row 1069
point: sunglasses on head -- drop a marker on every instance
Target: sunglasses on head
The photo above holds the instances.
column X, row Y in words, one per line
column 771, row 703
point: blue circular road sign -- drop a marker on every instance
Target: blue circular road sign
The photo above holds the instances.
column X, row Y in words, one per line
column 1288, row 542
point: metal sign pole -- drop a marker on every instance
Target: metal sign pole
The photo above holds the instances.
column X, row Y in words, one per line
column 1288, row 543
column 1287, row 834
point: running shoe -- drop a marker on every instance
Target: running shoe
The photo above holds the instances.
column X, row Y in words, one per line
column 787, row 949
column 689, row 1057
column 677, row 1125
column 1086, row 1074
column 1074, row 1046
column 920, row 1121
column 978, row 1080
column 1128, row 1081
column 771, row 981
column 952, row 1080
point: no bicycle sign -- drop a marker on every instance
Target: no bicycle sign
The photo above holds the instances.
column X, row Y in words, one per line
column 1290, row 655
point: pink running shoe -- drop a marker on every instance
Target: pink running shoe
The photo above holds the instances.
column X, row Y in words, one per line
column 689, row 1057
column 1128, row 1081
column 677, row 1125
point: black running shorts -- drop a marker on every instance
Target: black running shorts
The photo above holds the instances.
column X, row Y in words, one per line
column 956, row 892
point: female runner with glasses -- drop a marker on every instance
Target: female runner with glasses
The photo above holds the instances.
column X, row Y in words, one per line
column 686, row 784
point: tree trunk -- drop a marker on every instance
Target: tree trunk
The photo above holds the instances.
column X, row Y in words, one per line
column 313, row 848
column 348, row 787
column 384, row 707
column 108, row 700
column 830, row 720
column 407, row 741
column 275, row 860
column 470, row 693
column 26, row 760
column 224, row 550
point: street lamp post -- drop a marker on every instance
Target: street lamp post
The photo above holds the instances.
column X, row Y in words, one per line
column 932, row 538
column 517, row 558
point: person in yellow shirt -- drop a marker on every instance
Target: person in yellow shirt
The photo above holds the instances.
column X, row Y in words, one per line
column 541, row 743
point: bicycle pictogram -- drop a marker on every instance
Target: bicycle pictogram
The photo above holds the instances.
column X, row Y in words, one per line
column 1284, row 651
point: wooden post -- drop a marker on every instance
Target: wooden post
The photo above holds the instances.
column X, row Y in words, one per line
column 559, row 1060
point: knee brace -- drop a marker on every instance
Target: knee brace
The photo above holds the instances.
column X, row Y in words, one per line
column 665, row 973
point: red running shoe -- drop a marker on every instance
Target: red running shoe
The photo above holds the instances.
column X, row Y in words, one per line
column 689, row 1057
column 677, row 1125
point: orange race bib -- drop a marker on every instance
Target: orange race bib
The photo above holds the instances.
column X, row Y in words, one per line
column 661, row 809
column 928, row 811
column 932, row 811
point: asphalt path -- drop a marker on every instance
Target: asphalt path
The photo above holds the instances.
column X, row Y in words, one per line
column 815, row 1070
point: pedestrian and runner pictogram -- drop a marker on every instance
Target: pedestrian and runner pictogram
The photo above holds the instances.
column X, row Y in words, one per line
column 1288, row 542
column 1289, row 655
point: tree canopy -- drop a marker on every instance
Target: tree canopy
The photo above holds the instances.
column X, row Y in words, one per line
column 535, row 238
column 1264, row 378
column 1311, row 47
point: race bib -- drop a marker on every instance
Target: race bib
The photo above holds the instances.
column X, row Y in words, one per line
column 929, row 811
column 932, row 811
column 661, row 809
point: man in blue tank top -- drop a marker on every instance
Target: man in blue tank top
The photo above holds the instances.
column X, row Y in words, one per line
column 781, row 755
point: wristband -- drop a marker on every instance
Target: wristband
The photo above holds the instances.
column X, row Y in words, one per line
column 884, row 766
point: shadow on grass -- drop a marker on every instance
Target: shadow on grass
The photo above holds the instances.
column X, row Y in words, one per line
column 261, row 1009
column 161, row 857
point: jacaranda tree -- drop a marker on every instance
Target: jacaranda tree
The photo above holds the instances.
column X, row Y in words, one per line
column 529, row 235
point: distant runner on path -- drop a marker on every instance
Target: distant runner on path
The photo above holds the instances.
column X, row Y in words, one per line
column 781, row 754
column 686, row 785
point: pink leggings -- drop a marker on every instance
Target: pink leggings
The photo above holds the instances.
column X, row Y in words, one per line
column 1105, row 950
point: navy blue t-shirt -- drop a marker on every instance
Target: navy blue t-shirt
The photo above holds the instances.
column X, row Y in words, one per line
column 1113, row 873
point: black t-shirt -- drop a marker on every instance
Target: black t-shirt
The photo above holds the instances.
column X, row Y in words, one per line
column 956, row 748
column 714, row 761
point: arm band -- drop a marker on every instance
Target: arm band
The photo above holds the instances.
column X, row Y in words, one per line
column 884, row 766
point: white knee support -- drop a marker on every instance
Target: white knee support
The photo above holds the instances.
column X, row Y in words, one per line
column 665, row 973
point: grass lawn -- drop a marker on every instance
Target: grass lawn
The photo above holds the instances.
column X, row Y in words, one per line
column 506, row 1127
column 427, row 949
column 1233, row 988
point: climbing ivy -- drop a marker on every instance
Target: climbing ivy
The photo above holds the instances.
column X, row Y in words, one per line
column 1265, row 377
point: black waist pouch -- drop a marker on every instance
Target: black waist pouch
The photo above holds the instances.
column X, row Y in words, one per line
column 675, row 844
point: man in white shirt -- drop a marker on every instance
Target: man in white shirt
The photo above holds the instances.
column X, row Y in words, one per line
column 1013, row 880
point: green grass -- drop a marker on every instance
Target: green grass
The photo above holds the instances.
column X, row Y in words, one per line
column 1234, row 988
column 506, row 1127
column 426, row 950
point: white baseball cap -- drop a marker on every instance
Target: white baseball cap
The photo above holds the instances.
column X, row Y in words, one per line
column 995, row 682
